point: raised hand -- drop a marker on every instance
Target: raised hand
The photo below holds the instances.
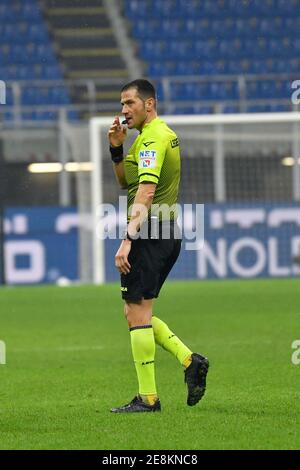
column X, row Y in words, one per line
column 116, row 133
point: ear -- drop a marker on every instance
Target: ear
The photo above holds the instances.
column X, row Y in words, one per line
column 148, row 105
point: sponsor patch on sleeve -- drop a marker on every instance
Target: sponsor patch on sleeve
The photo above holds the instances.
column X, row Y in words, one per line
column 147, row 159
column 174, row 143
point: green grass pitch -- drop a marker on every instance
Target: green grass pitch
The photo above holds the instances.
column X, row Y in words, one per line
column 69, row 361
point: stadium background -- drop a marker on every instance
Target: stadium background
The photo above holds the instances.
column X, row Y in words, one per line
column 63, row 62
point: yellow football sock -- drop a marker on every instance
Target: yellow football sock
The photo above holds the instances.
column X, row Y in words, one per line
column 166, row 339
column 143, row 351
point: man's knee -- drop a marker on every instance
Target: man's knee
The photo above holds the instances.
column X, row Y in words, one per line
column 126, row 310
column 137, row 313
column 130, row 309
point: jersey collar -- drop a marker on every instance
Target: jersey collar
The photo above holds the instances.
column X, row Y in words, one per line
column 148, row 124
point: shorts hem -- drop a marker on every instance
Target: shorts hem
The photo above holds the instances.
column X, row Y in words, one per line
column 139, row 298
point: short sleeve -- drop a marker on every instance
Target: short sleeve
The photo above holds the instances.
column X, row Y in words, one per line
column 151, row 155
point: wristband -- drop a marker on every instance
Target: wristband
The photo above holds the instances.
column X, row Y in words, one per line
column 128, row 237
column 116, row 153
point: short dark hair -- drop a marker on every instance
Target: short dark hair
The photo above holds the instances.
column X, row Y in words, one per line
column 144, row 88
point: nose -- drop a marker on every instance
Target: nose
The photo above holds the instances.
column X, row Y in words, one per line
column 124, row 108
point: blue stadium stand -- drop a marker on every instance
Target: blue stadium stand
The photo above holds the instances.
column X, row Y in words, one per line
column 224, row 37
column 26, row 54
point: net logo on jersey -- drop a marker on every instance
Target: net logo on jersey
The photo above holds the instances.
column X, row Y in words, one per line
column 147, row 159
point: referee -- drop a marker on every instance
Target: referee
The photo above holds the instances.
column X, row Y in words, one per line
column 151, row 173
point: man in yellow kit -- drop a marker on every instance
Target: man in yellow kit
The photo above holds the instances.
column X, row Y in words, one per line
column 151, row 173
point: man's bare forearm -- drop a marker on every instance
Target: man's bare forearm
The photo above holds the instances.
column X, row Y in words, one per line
column 120, row 174
column 142, row 203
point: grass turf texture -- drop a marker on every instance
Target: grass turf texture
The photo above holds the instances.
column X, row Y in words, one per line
column 69, row 361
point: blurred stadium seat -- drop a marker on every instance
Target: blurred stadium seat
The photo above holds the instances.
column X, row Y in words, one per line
column 174, row 38
column 218, row 38
column 26, row 53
